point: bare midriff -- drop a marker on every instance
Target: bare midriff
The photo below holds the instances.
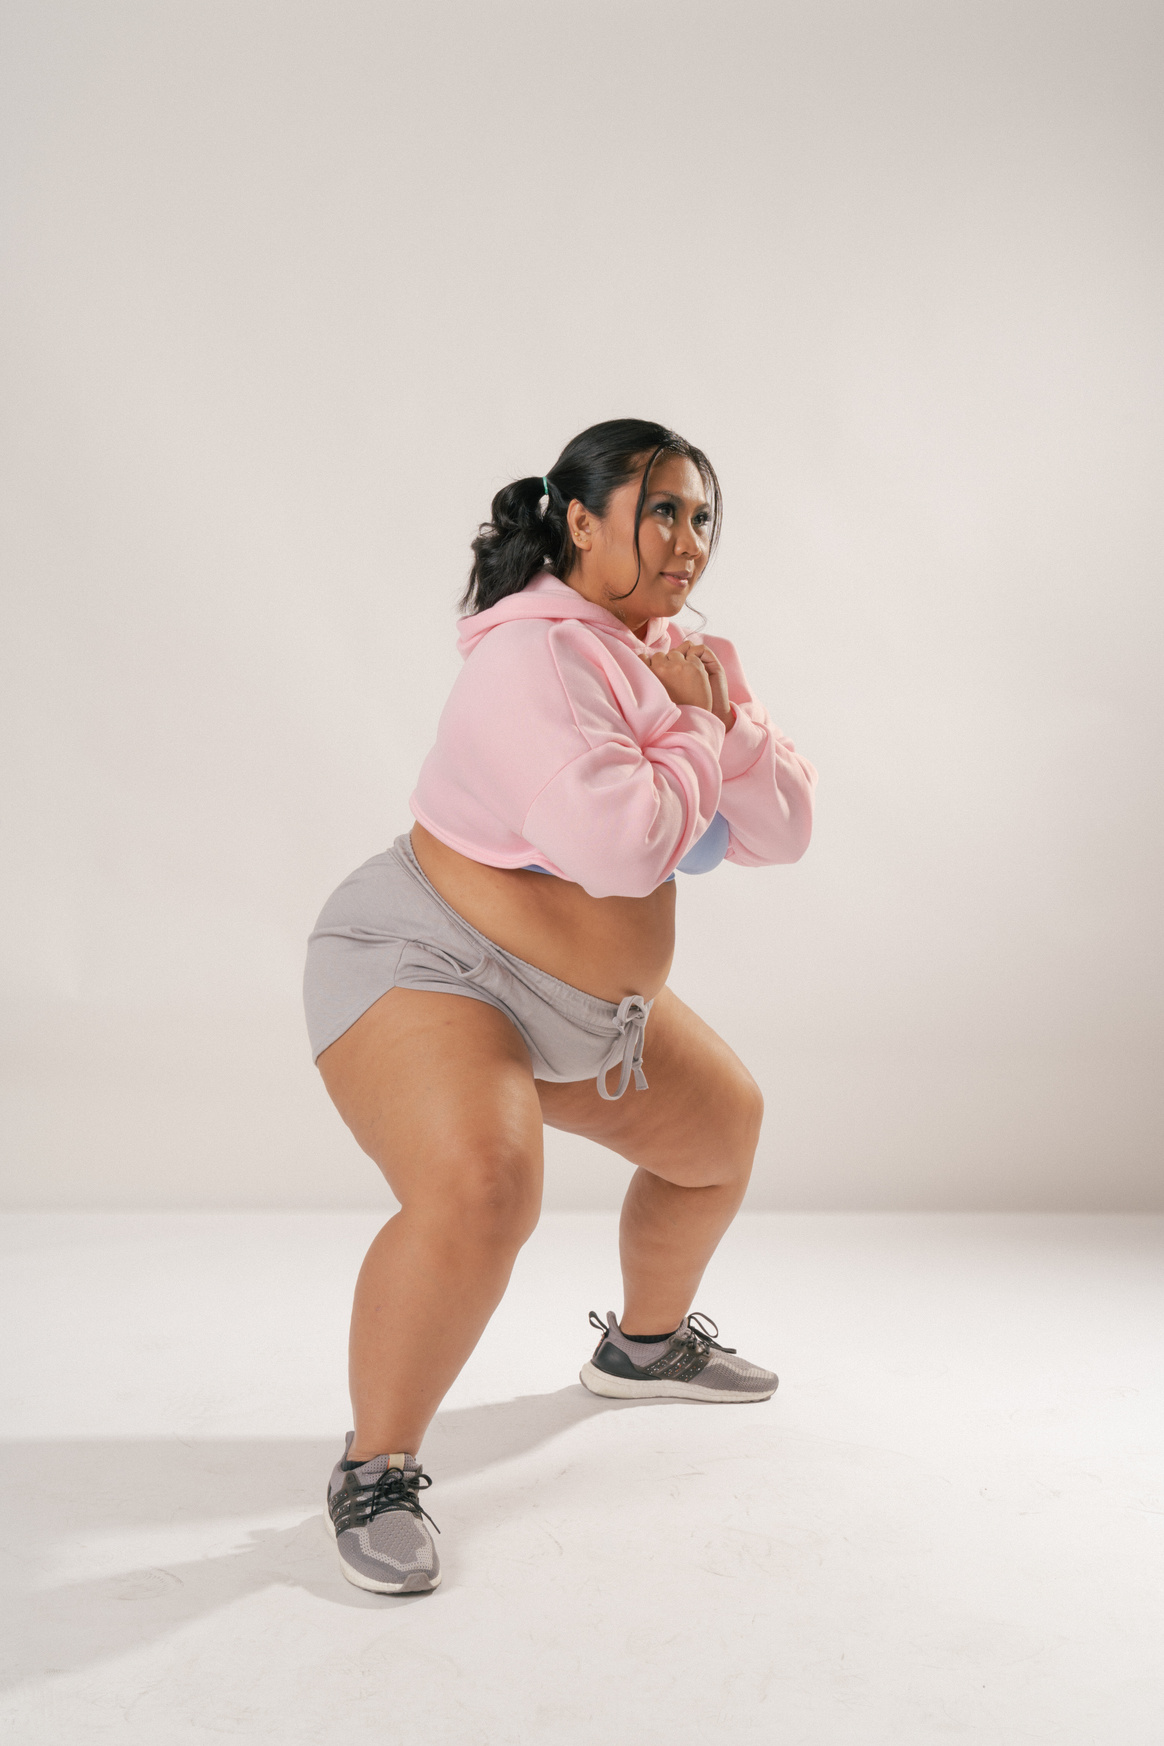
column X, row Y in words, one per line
column 609, row 946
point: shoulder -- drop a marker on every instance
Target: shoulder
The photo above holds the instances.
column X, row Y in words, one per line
column 551, row 669
column 533, row 633
column 509, row 650
column 530, row 643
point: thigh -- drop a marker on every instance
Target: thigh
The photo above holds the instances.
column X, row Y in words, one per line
column 435, row 1088
column 699, row 1121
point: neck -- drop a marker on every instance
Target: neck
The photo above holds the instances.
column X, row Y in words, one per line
column 633, row 623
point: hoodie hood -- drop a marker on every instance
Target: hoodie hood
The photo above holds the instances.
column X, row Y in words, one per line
column 549, row 597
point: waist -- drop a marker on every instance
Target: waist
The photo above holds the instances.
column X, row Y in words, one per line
column 608, row 946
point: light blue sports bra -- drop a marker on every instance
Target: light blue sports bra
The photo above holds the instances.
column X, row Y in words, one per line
column 705, row 852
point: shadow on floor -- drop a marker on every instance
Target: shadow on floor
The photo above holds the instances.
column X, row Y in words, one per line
column 98, row 1488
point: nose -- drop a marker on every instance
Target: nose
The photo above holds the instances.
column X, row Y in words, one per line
column 687, row 541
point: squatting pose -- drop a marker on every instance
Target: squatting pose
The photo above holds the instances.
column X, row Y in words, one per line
column 489, row 972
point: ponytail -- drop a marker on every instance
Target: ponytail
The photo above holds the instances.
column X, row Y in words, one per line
column 524, row 535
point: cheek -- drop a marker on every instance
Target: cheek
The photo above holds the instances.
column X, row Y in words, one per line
column 654, row 536
column 619, row 540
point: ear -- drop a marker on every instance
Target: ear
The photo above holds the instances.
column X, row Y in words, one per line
column 581, row 525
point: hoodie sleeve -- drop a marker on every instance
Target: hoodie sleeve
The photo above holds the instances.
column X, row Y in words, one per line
column 767, row 790
column 620, row 815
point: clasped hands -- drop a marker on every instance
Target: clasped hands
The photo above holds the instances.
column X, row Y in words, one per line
column 690, row 673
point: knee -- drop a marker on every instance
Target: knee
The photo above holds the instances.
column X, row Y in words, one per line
column 739, row 1116
column 750, row 1113
column 493, row 1200
column 737, row 1129
column 718, row 1142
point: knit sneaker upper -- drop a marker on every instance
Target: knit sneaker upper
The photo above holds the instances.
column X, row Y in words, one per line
column 377, row 1515
column 690, row 1355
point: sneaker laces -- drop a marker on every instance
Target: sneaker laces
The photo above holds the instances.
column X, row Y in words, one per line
column 698, row 1335
column 394, row 1489
column 695, row 1338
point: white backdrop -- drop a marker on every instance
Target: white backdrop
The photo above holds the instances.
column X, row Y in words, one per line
column 292, row 288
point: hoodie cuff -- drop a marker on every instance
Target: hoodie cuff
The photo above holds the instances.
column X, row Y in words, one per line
column 701, row 722
column 742, row 745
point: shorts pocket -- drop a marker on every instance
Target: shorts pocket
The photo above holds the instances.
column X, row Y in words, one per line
column 424, row 959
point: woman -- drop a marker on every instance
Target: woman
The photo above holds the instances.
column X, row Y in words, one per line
column 487, row 973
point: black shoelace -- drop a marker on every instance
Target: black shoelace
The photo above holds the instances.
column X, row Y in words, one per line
column 394, row 1489
column 696, row 1335
column 701, row 1335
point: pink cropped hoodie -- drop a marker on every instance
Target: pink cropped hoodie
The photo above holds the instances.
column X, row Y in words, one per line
column 559, row 748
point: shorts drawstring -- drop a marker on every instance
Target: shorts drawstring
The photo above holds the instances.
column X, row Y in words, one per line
column 631, row 1019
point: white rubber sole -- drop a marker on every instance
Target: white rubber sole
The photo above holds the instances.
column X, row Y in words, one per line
column 359, row 1580
column 622, row 1388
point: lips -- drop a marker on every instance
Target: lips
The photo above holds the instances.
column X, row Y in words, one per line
column 676, row 580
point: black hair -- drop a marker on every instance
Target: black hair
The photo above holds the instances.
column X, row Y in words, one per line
column 522, row 539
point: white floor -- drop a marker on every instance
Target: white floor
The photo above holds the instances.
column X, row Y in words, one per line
column 946, row 1525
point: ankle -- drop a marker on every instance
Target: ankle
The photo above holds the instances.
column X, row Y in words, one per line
column 644, row 1327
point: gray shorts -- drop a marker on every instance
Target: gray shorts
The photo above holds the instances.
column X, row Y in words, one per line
column 387, row 927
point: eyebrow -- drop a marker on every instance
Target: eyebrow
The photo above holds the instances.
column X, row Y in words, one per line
column 677, row 497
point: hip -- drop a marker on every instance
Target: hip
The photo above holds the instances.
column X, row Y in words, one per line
column 387, row 927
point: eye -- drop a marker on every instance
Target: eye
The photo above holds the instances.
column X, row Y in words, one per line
column 703, row 519
column 664, row 509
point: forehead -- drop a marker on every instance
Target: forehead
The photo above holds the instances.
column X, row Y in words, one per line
column 678, row 475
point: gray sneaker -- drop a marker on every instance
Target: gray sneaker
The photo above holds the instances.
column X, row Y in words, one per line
column 374, row 1515
column 688, row 1365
